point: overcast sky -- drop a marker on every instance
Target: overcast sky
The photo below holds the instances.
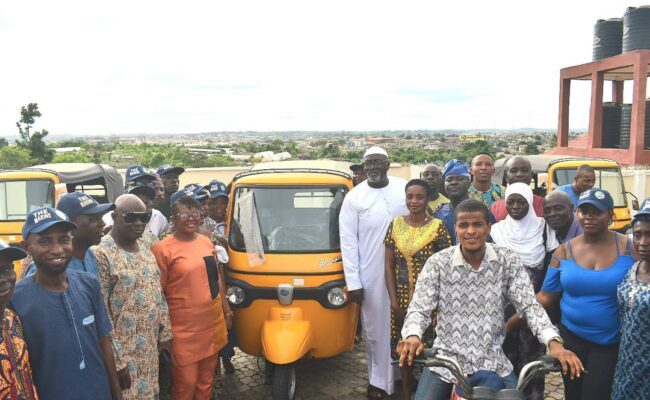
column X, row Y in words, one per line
column 197, row 66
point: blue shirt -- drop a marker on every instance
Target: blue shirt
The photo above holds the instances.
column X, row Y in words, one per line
column 62, row 331
column 588, row 303
column 568, row 189
column 88, row 264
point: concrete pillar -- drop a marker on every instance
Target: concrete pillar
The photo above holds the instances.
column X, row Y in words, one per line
column 595, row 138
column 563, row 117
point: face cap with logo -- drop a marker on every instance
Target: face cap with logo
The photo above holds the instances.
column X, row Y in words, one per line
column 45, row 218
column 599, row 198
column 186, row 192
column 167, row 168
column 643, row 210
column 138, row 172
column 217, row 189
column 77, row 203
column 13, row 253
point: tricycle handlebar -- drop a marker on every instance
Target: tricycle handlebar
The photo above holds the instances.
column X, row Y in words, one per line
column 430, row 359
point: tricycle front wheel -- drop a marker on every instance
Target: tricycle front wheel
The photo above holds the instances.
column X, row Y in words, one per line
column 284, row 382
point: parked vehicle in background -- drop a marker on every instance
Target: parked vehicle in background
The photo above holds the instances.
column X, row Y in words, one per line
column 22, row 191
column 285, row 275
column 552, row 171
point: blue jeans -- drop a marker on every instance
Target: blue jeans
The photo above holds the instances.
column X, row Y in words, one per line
column 433, row 388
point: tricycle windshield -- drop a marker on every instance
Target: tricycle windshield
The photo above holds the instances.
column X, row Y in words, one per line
column 290, row 219
column 609, row 179
column 18, row 198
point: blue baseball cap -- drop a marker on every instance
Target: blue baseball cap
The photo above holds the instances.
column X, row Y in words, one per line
column 45, row 218
column 142, row 189
column 167, row 168
column 599, row 198
column 14, row 253
column 186, row 192
column 217, row 189
column 136, row 172
column 644, row 209
column 77, row 203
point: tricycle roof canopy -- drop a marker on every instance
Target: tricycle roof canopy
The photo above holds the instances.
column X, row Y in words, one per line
column 82, row 172
column 539, row 163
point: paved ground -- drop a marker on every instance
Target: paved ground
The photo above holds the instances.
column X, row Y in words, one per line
column 339, row 378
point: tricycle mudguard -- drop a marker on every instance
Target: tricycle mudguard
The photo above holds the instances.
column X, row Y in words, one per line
column 286, row 337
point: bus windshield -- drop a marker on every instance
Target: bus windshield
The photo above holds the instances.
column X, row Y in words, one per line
column 18, row 198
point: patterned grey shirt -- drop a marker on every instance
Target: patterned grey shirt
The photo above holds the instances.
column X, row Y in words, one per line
column 471, row 304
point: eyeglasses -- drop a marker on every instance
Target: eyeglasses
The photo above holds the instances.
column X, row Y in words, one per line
column 186, row 215
column 134, row 216
column 369, row 164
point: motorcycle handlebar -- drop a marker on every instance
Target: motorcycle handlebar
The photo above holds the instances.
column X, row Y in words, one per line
column 528, row 372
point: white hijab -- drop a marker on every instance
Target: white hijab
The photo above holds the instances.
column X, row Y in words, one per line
column 525, row 236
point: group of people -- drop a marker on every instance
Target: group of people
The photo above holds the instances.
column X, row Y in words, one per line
column 495, row 277
column 113, row 294
column 491, row 276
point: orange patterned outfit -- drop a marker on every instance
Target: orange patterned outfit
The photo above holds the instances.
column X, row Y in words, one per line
column 195, row 311
column 16, row 381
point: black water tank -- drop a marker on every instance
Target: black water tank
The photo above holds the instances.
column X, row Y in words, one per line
column 636, row 29
column 611, row 125
column 626, row 123
column 608, row 38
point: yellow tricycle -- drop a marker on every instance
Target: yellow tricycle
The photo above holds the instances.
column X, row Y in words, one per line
column 285, row 276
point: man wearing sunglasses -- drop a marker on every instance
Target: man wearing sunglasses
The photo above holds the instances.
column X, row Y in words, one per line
column 130, row 282
column 87, row 214
column 157, row 224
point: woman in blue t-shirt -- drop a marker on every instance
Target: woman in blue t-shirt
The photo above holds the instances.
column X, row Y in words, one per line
column 583, row 276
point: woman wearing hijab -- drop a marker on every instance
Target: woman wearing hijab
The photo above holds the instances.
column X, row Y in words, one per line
column 525, row 233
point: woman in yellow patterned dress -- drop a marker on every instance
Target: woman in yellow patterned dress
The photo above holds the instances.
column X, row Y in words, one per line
column 410, row 241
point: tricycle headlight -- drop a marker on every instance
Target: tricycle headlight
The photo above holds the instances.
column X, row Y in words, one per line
column 336, row 296
column 235, row 295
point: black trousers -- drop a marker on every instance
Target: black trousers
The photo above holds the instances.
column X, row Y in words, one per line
column 600, row 363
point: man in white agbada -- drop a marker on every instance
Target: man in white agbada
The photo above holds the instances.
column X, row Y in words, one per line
column 365, row 215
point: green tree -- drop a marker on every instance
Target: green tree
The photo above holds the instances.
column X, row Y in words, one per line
column 39, row 152
column 73, row 157
column 14, row 158
column 3, row 142
column 531, row 148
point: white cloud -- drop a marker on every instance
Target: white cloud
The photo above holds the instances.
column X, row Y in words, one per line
column 195, row 66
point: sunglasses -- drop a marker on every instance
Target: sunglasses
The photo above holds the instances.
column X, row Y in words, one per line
column 187, row 215
column 134, row 216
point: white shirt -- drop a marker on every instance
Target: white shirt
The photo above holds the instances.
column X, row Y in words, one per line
column 365, row 215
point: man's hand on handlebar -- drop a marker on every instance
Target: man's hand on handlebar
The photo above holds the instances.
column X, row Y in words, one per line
column 568, row 360
column 408, row 349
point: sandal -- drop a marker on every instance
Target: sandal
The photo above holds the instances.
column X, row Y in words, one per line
column 375, row 393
